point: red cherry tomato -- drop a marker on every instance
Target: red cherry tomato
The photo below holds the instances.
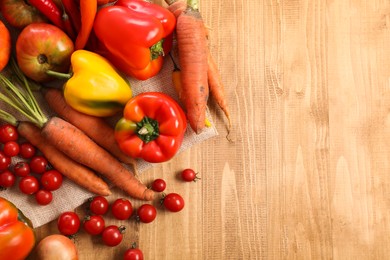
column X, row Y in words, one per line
column 98, row 205
column 51, row 180
column 7, row 179
column 146, row 213
column 113, row 235
column 8, row 133
column 133, row 254
column 173, row 202
column 68, row 223
column 43, row 197
column 121, row 209
column 29, row 185
column 38, row 164
column 159, row 185
column 22, row 169
column 27, row 150
column 5, row 161
column 94, row 225
column 11, row 148
column 189, row 175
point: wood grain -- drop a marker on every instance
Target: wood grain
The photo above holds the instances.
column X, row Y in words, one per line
column 307, row 175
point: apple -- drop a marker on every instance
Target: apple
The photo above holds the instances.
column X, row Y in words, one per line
column 18, row 13
column 41, row 47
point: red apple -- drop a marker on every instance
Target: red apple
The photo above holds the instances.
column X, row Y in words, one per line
column 41, row 47
column 18, row 13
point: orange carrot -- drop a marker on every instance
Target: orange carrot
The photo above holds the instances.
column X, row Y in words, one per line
column 88, row 9
column 192, row 49
column 74, row 171
column 74, row 143
column 95, row 127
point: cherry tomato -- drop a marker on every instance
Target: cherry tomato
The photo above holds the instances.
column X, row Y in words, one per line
column 173, row 202
column 11, row 148
column 146, row 213
column 189, row 175
column 43, row 197
column 68, row 223
column 94, row 225
column 8, row 133
column 29, row 185
column 113, row 235
column 5, row 161
column 51, row 180
column 38, row 164
column 7, row 179
column 133, row 254
column 27, row 150
column 159, row 185
column 98, row 205
column 22, row 169
column 122, row 209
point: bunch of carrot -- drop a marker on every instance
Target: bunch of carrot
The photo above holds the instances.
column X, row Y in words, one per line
column 199, row 74
column 68, row 148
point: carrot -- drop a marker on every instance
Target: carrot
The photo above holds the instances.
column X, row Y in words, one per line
column 74, row 143
column 95, row 127
column 88, row 9
column 192, row 50
column 74, row 171
column 216, row 87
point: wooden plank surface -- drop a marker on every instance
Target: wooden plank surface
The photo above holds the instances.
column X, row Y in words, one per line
column 308, row 172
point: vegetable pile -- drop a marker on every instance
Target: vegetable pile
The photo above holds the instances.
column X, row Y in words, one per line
column 78, row 56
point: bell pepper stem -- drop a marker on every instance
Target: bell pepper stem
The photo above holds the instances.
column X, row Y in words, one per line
column 193, row 4
column 59, row 75
column 147, row 129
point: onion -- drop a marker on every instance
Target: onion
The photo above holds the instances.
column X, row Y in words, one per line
column 57, row 247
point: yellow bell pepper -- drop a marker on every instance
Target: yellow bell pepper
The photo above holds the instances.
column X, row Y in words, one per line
column 94, row 87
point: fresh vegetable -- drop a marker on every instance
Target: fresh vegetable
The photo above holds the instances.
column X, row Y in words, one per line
column 68, row 223
column 56, row 247
column 159, row 185
column 11, row 148
column 145, row 27
column 122, row 209
column 39, row 164
column 113, row 235
column 94, row 225
column 173, row 202
column 41, row 47
column 152, row 127
column 5, row 161
column 8, row 133
column 27, row 105
column 50, row 10
column 98, row 205
column 133, row 253
column 74, row 171
column 22, row 169
column 18, row 13
column 189, row 175
column 146, row 213
column 29, row 185
column 104, row 91
column 95, row 127
column 7, row 179
column 27, row 150
column 17, row 237
column 192, row 49
column 43, row 197
column 88, row 9
column 72, row 10
column 103, row 2
column 5, row 45
column 51, row 180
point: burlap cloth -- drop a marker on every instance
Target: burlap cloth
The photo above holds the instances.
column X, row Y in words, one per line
column 70, row 196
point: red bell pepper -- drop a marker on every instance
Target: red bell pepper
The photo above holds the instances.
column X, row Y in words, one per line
column 17, row 237
column 152, row 127
column 135, row 35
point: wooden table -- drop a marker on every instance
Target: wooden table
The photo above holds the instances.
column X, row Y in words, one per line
column 307, row 175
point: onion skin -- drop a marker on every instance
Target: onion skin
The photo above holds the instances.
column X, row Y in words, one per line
column 56, row 247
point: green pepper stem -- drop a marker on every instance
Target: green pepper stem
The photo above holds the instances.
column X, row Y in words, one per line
column 147, row 129
column 59, row 75
column 157, row 50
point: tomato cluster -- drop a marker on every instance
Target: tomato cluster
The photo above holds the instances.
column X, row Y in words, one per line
column 33, row 174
